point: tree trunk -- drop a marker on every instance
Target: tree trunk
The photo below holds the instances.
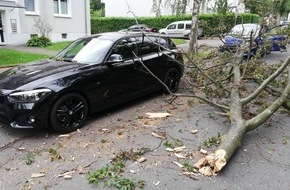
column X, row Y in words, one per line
column 193, row 45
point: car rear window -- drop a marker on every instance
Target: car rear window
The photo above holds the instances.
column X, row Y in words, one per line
column 188, row 26
column 149, row 44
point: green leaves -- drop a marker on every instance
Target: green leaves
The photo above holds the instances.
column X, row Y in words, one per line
column 39, row 42
column 29, row 159
column 110, row 173
column 214, row 140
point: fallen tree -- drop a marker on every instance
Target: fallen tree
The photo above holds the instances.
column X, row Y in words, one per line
column 225, row 80
column 214, row 162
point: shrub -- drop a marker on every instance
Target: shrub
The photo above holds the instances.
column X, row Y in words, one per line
column 211, row 23
column 39, row 41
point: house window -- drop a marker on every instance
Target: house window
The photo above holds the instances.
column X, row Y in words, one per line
column 61, row 7
column 31, row 6
column 33, row 35
column 64, row 35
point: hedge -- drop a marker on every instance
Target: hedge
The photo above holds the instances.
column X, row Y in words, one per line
column 212, row 24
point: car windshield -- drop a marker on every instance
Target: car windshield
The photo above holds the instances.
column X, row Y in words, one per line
column 245, row 30
column 86, row 50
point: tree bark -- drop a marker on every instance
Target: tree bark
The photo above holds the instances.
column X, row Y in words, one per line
column 193, row 45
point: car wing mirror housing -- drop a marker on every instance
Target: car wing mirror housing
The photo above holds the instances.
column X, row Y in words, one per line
column 115, row 58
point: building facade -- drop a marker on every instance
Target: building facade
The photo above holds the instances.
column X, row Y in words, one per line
column 68, row 19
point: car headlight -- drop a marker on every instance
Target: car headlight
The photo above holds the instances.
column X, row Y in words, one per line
column 28, row 96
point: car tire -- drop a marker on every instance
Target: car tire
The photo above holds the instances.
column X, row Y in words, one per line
column 69, row 112
column 171, row 80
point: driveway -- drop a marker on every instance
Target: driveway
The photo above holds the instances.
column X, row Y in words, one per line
column 262, row 161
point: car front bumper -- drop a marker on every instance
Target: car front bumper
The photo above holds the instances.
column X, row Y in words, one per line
column 24, row 115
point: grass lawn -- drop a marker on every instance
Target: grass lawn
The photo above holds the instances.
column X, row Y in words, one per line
column 12, row 57
column 58, row 46
column 178, row 41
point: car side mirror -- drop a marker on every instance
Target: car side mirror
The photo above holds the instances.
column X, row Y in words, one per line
column 115, row 58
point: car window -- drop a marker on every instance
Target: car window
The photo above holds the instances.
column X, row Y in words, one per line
column 153, row 44
column 171, row 27
column 146, row 45
column 162, row 42
column 245, row 30
column 166, row 43
column 126, row 48
column 188, row 26
column 180, row 26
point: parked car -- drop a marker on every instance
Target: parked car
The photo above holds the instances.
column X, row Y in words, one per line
column 139, row 28
column 180, row 29
column 91, row 74
column 255, row 38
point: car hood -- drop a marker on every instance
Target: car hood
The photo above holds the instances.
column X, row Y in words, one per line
column 27, row 73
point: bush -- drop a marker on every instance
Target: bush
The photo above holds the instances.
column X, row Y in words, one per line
column 212, row 24
column 39, row 42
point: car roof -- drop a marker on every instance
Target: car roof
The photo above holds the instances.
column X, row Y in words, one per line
column 185, row 21
column 248, row 24
column 137, row 25
column 114, row 36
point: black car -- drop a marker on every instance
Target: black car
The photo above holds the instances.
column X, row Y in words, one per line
column 91, row 74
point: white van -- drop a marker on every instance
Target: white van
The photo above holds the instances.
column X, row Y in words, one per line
column 180, row 29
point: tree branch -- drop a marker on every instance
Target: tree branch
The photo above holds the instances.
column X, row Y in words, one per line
column 224, row 108
column 203, row 73
column 267, row 113
column 265, row 83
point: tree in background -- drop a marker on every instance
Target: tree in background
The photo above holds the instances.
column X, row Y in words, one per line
column 97, row 7
column 156, row 7
column 281, row 8
column 272, row 9
column 221, row 6
column 178, row 7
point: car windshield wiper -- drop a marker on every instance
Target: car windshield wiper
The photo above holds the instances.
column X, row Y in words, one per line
column 67, row 60
column 62, row 59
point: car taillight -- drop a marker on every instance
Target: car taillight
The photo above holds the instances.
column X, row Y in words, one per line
column 150, row 30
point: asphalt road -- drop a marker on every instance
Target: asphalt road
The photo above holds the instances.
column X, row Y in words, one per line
column 261, row 163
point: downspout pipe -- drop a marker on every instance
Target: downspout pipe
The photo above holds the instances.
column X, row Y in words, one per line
column 86, row 17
